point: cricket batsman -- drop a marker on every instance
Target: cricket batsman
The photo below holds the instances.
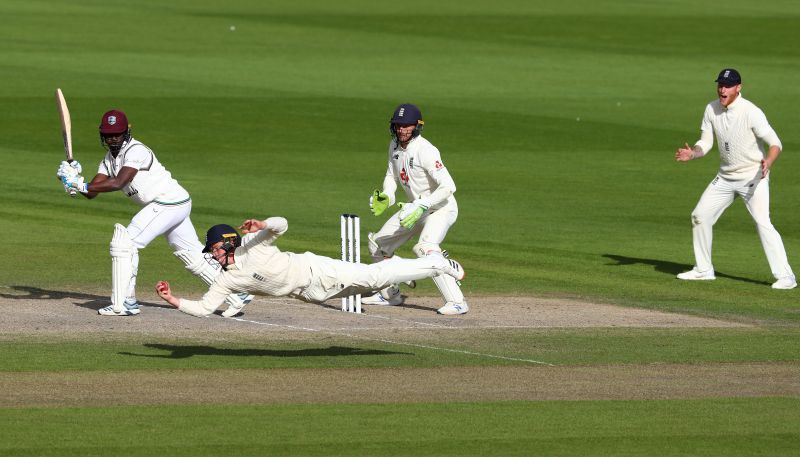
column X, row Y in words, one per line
column 132, row 168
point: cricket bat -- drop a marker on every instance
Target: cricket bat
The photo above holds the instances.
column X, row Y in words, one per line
column 66, row 124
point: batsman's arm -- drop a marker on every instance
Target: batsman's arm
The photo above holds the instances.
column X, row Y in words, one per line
column 103, row 183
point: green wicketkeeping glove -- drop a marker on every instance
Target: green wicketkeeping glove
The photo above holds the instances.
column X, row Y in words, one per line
column 410, row 213
column 378, row 202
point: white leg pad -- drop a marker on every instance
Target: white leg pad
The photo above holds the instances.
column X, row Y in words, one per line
column 201, row 265
column 122, row 250
column 449, row 288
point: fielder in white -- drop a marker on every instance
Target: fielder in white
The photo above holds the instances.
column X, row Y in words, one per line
column 742, row 132
column 254, row 264
column 131, row 167
column 417, row 165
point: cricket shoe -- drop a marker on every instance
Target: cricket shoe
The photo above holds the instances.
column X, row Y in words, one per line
column 695, row 275
column 787, row 282
column 455, row 270
column 236, row 302
column 131, row 308
column 451, row 308
column 389, row 296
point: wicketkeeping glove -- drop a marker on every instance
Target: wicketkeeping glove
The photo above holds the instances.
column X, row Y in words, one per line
column 378, row 202
column 410, row 213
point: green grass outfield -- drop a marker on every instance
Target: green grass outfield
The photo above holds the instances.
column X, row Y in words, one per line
column 558, row 121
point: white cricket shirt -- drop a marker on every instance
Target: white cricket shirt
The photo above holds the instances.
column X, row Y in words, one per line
column 741, row 130
column 420, row 171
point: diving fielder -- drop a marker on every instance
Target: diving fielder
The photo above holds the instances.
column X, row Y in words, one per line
column 742, row 131
column 131, row 167
column 417, row 166
column 253, row 263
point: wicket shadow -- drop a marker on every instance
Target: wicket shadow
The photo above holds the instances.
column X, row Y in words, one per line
column 89, row 301
column 670, row 268
column 185, row 352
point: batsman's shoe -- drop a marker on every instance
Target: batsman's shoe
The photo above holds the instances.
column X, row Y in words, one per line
column 695, row 275
column 236, row 302
column 386, row 297
column 131, row 309
column 455, row 269
column 451, row 308
column 787, row 282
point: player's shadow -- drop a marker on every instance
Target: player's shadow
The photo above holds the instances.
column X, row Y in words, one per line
column 185, row 352
column 670, row 268
column 83, row 300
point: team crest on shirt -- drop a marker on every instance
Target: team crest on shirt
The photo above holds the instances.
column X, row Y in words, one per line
column 112, row 120
column 411, row 163
column 438, row 165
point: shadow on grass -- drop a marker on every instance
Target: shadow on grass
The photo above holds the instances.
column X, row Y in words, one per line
column 90, row 301
column 670, row 268
column 184, row 352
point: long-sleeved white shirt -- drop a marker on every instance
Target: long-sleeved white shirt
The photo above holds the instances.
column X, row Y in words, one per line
column 741, row 130
column 420, row 170
column 259, row 268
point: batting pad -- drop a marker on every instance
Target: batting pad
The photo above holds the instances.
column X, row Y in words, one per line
column 201, row 265
column 121, row 250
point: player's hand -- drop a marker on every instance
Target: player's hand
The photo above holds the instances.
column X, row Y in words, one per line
column 378, row 202
column 684, row 154
column 765, row 166
column 67, row 169
column 252, row 226
column 163, row 290
column 75, row 183
column 410, row 213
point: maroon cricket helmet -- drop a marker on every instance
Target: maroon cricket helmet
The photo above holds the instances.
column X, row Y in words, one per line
column 114, row 122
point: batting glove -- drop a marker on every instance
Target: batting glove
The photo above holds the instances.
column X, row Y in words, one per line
column 72, row 192
column 73, row 168
column 378, row 202
column 75, row 183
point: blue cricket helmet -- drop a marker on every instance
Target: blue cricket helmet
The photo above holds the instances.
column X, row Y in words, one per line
column 406, row 114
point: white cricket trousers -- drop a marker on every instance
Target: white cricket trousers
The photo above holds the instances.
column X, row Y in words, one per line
column 331, row 278
column 170, row 220
column 431, row 228
column 717, row 197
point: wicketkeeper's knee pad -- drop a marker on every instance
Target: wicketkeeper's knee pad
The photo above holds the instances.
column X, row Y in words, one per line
column 201, row 265
column 422, row 248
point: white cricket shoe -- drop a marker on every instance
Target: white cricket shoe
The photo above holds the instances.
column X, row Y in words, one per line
column 695, row 275
column 455, row 269
column 389, row 296
column 236, row 302
column 451, row 308
column 131, row 309
column 787, row 282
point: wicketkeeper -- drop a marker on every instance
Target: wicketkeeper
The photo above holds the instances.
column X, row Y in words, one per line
column 254, row 264
column 430, row 212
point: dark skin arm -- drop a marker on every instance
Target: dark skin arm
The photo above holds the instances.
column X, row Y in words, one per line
column 103, row 183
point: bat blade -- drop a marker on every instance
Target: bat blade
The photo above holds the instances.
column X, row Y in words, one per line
column 66, row 124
